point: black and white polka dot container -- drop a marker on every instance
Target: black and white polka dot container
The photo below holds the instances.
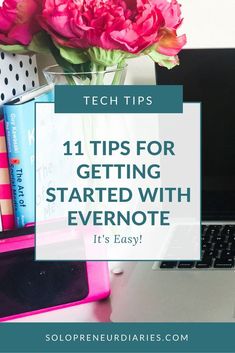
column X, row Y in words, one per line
column 18, row 74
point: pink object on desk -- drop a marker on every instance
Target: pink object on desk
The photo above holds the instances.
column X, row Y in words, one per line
column 97, row 276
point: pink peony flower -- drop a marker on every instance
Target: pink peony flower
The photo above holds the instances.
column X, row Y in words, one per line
column 17, row 21
column 131, row 25
column 171, row 12
column 169, row 44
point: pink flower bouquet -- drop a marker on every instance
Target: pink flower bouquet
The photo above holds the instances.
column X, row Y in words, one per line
column 101, row 33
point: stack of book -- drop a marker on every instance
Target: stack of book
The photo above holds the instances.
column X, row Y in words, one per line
column 18, row 73
column 17, row 155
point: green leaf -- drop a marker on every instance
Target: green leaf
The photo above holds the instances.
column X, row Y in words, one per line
column 40, row 43
column 133, row 56
column 68, row 67
column 72, row 55
column 163, row 60
column 17, row 49
column 106, row 57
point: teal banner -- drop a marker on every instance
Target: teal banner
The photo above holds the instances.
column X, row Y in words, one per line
column 119, row 99
column 118, row 337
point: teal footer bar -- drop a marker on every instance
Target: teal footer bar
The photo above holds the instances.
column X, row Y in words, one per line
column 118, row 337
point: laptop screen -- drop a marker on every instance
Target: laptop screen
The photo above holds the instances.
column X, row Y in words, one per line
column 208, row 76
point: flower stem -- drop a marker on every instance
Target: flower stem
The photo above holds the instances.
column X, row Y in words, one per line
column 66, row 66
column 118, row 73
column 93, row 69
column 70, row 80
column 100, row 74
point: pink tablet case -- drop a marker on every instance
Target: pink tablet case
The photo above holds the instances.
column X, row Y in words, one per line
column 97, row 273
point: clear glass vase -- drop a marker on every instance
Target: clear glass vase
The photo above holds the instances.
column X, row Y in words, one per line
column 56, row 75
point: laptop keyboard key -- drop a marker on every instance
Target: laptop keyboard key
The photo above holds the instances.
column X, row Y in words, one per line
column 213, row 230
column 224, row 263
column 226, row 254
column 168, row 264
column 220, row 245
column 205, row 240
column 203, row 229
column 219, row 238
column 206, row 246
column 232, row 247
column 205, row 263
column 209, row 254
column 231, row 238
column 186, row 264
column 228, row 230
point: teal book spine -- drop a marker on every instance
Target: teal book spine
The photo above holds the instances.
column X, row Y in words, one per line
column 20, row 134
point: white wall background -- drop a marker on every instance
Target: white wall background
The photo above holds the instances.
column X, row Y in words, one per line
column 207, row 23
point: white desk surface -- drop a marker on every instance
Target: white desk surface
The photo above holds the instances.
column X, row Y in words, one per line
column 143, row 295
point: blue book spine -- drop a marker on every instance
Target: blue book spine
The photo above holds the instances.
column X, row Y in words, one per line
column 20, row 133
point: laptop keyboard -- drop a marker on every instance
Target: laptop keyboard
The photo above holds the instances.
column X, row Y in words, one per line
column 218, row 250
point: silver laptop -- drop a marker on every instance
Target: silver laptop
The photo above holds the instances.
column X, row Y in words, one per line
column 203, row 290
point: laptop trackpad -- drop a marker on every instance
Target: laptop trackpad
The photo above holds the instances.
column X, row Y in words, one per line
column 144, row 295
